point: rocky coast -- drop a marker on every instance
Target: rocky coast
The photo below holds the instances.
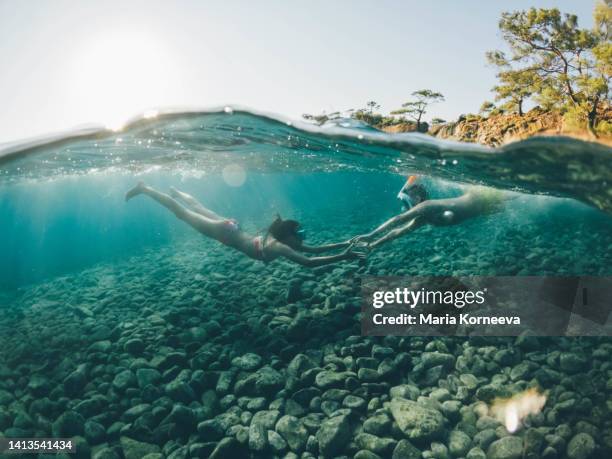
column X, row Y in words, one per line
column 501, row 129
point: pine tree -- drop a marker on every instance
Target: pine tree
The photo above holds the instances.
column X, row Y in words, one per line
column 415, row 109
column 552, row 58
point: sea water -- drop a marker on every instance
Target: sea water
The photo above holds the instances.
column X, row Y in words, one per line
column 124, row 328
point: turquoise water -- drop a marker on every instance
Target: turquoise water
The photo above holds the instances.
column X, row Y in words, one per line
column 94, row 289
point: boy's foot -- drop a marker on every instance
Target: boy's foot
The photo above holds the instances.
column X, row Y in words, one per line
column 134, row 191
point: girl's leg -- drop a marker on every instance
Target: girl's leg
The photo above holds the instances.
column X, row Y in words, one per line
column 209, row 227
column 194, row 204
column 398, row 232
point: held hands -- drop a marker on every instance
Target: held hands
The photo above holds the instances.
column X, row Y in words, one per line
column 361, row 242
column 361, row 239
column 352, row 254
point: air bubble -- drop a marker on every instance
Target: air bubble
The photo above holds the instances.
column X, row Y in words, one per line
column 234, row 175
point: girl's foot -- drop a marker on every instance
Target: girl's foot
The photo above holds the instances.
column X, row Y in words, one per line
column 139, row 188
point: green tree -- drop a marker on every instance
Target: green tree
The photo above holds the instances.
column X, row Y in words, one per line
column 514, row 88
column 367, row 114
column 551, row 58
column 416, row 108
column 371, row 106
column 367, row 117
column 436, row 121
column 486, row 108
column 321, row 118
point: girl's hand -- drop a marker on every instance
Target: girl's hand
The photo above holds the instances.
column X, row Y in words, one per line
column 358, row 239
column 352, row 254
column 359, row 242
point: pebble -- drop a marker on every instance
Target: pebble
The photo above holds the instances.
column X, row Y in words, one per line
column 68, row 424
column 333, row 435
column 134, row 346
column 416, row 421
column 293, row 431
column 365, row 454
column 124, row 380
column 276, row 442
column 377, row 425
column 261, row 422
column 476, row 453
column 329, row 379
column 581, row 446
column 506, row 448
column 105, row 453
column 572, row 362
column 381, row 446
column 146, row 376
column 247, row 362
column 133, row 449
column 458, row 443
column 406, row 450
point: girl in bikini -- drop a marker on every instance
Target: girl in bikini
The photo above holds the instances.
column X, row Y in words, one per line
column 283, row 238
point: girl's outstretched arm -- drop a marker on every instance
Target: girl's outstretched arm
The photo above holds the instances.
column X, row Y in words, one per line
column 313, row 262
column 324, row 247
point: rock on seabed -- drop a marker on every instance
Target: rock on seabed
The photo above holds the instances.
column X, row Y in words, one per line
column 416, row 421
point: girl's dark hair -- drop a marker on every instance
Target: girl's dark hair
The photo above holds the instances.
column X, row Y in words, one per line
column 283, row 230
column 418, row 193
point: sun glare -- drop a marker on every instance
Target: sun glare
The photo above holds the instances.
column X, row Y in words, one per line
column 118, row 75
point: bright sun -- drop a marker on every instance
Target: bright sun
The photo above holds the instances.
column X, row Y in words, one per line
column 117, row 75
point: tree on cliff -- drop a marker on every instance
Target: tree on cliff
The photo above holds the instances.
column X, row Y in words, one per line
column 372, row 105
column 367, row 114
column 514, row 87
column 321, row 118
column 415, row 109
column 551, row 58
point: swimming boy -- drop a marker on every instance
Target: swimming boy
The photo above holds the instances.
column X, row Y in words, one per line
column 439, row 212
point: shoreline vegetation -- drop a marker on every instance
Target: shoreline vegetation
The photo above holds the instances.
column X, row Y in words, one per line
column 551, row 64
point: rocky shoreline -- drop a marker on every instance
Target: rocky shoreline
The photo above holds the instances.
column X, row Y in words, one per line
column 497, row 130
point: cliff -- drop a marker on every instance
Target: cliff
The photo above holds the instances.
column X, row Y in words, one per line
column 501, row 129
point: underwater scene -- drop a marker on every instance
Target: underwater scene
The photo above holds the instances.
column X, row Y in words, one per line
column 189, row 319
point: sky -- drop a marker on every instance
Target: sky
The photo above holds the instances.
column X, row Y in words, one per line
column 67, row 63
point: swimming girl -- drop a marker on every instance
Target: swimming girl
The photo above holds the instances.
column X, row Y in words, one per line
column 283, row 238
column 439, row 212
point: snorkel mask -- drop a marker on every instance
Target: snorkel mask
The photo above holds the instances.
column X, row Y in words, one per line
column 406, row 200
column 403, row 196
column 301, row 234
